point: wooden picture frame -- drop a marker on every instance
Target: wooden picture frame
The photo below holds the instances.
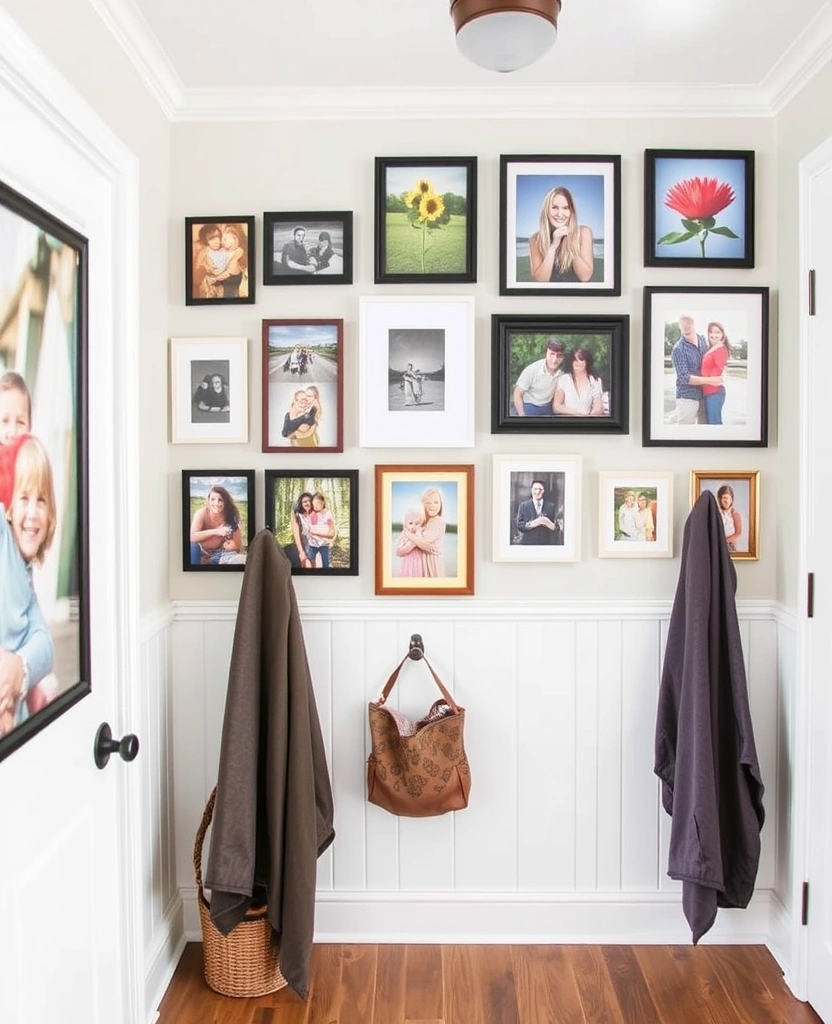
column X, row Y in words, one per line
column 583, row 194
column 635, row 514
column 425, row 220
column 43, row 393
column 699, row 208
column 416, row 372
column 741, row 499
column 209, row 390
column 303, row 386
column 219, row 261
column 309, row 544
column 531, row 354
column 521, row 533
column 217, row 519
column 307, row 247
column 436, row 504
column 680, row 412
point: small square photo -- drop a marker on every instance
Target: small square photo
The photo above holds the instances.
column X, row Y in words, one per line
column 635, row 514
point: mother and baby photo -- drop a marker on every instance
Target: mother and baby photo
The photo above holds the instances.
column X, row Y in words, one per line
column 40, row 613
column 219, row 260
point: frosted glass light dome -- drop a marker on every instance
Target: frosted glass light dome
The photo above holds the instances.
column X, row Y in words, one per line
column 505, row 36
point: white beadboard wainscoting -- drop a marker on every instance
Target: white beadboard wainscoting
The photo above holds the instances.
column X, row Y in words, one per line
column 564, row 839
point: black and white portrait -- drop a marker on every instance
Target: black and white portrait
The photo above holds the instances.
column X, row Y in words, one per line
column 211, row 402
column 416, row 370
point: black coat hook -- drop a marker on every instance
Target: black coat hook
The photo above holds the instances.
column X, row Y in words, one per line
column 417, row 648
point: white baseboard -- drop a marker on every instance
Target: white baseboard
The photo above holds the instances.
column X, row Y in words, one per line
column 516, row 918
column 162, row 955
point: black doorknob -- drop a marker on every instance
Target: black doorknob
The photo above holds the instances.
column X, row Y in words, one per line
column 126, row 748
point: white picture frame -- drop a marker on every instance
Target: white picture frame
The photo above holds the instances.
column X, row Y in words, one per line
column 635, row 514
column 431, row 403
column 514, row 538
column 220, row 416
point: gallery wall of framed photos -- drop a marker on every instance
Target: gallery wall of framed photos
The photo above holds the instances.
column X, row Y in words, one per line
column 592, row 281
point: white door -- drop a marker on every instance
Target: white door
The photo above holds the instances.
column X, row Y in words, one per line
column 68, row 891
column 817, row 222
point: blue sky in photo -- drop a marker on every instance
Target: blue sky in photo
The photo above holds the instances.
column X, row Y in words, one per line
column 443, row 179
column 407, row 494
column 311, row 335
column 587, row 191
column 237, row 486
column 669, row 171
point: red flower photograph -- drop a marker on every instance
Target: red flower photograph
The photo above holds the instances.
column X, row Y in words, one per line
column 685, row 193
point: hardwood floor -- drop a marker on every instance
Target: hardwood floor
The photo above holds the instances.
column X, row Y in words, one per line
column 368, row 984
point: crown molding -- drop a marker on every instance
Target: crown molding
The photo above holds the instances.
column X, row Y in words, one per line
column 471, row 103
column 807, row 55
column 801, row 62
column 144, row 51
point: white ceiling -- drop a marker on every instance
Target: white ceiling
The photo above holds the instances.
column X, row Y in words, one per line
column 250, row 58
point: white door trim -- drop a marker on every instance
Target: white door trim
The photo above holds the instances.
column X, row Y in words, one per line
column 38, row 83
column 796, row 977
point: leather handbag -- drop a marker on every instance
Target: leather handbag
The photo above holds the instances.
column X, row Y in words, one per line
column 418, row 769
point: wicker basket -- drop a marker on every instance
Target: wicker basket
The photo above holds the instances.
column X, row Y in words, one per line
column 243, row 963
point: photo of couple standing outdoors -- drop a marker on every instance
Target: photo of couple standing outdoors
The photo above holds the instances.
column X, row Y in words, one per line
column 416, row 370
column 302, row 367
column 706, row 369
column 40, row 640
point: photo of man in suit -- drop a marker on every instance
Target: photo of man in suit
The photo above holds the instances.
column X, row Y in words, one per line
column 536, row 518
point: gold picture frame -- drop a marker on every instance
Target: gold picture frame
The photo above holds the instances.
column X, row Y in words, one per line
column 744, row 488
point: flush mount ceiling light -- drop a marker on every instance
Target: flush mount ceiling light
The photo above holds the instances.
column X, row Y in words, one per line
column 505, row 35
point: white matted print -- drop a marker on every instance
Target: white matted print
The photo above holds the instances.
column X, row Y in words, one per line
column 705, row 367
column 209, row 390
column 416, row 372
column 635, row 514
column 536, row 508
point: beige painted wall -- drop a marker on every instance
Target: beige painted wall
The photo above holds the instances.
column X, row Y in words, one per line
column 239, row 168
column 800, row 128
column 73, row 37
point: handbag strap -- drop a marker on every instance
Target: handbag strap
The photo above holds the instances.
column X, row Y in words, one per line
column 391, row 682
column 207, row 815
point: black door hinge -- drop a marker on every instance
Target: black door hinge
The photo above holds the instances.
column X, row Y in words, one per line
column 804, row 910
column 811, row 293
column 810, row 595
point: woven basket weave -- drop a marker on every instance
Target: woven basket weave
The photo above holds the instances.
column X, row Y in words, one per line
column 243, row 963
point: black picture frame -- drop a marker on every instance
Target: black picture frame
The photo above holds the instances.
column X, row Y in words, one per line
column 285, row 488
column 520, row 341
column 589, row 186
column 443, row 247
column 712, row 197
column 234, row 281
column 325, row 263
column 742, row 316
column 236, row 486
column 40, row 255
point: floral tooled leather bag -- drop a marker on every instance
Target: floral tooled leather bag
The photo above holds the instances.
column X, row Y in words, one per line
column 418, row 769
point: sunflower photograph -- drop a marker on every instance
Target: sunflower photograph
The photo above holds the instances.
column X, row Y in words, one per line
column 699, row 208
column 425, row 219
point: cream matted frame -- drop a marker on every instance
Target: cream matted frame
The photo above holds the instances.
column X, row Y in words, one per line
column 433, row 335
column 192, row 361
column 638, row 528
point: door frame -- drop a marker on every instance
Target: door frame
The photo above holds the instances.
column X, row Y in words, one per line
column 797, row 976
column 52, row 99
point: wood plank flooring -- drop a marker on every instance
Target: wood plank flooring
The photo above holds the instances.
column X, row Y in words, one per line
column 368, row 984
